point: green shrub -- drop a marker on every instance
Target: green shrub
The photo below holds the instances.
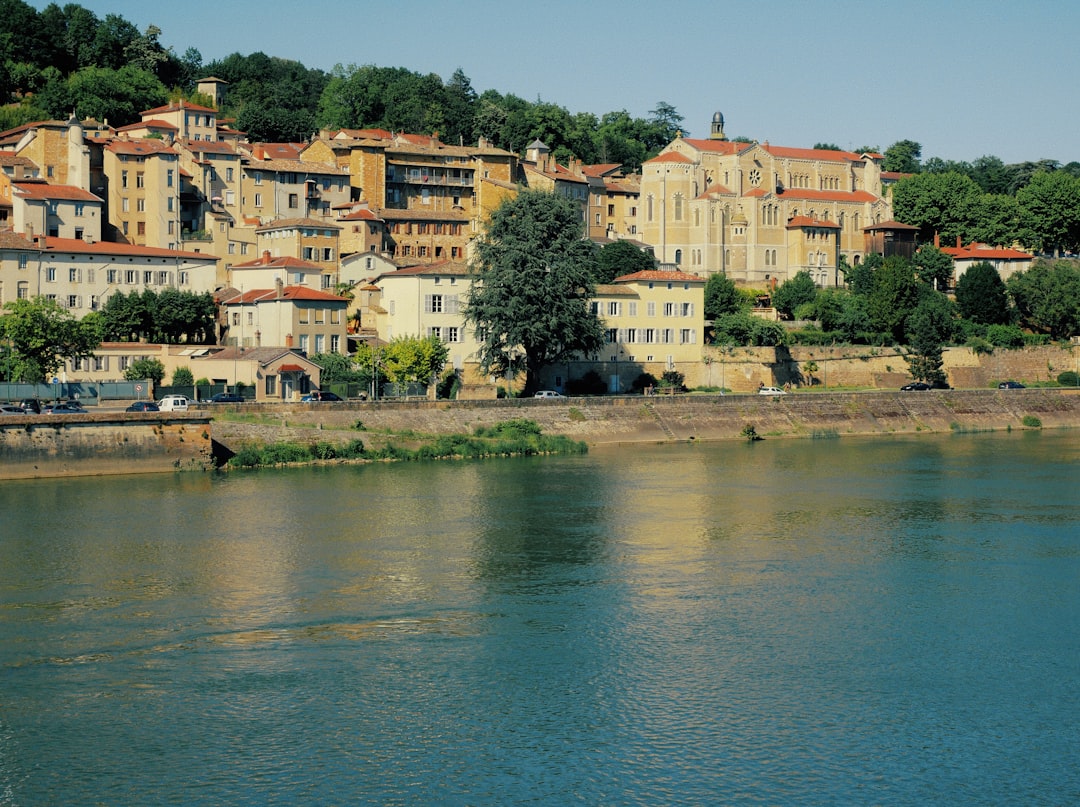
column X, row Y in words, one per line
column 643, row 381
column 1036, row 339
column 980, row 345
column 323, row 451
column 1006, row 336
column 1069, row 379
column 1031, row 422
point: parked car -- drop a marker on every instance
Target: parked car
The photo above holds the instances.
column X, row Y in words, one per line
column 144, row 406
column 12, row 409
column 1010, row 385
column 31, row 405
column 915, row 386
column 770, row 391
column 227, row 397
column 548, row 393
column 64, row 408
column 173, row 403
column 317, row 395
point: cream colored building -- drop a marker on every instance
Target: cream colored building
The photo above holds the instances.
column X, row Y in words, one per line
column 143, row 196
column 58, row 211
column 80, row 276
column 307, row 319
column 714, row 205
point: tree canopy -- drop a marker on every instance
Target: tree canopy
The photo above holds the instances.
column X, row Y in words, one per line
column 533, row 280
column 42, row 336
column 981, row 295
column 621, row 258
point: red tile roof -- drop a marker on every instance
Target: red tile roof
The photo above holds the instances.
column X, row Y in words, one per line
column 660, row 276
column 279, row 261
column 670, row 157
column 287, row 293
column 806, row 221
column 828, row 196
column 979, row 252
column 137, row 147
column 284, row 224
column 42, row 190
column 823, row 155
column 717, row 146
column 113, row 248
column 176, row 108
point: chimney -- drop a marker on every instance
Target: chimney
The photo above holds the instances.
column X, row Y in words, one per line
column 958, row 244
column 937, row 240
column 266, row 256
column 279, row 288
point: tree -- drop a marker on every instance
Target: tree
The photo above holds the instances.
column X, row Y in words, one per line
column 943, row 204
column 413, row 359
column 533, row 282
column 981, row 295
column 721, row 297
column 102, row 92
column 42, row 336
column 183, row 377
column 894, row 296
column 1047, row 296
column 933, row 266
column 140, row 369
column 903, row 156
column 621, row 258
column 929, row 327
column 1050, row 212
column 793, row 292
column 827, row 147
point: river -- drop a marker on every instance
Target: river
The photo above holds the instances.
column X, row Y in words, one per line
column 846, row 621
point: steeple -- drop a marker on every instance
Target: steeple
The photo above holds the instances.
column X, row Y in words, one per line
column 717, row 130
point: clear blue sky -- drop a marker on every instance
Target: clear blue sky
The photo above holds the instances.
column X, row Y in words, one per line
column 962, row 78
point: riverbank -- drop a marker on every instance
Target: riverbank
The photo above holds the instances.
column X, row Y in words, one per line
column 635, row 419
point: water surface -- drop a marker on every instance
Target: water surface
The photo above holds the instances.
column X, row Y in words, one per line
column 886, row 621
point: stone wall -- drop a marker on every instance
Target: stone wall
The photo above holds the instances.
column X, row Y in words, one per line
column 101, row 443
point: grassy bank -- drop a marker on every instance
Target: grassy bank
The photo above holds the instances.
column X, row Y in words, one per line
column 516, row 437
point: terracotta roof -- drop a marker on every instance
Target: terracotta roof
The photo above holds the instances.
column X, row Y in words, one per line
column 611, row 290
column 113, row 248
column 979, row 252
column 717, row 188
column 287, row 293
column 670, row 157
column 296, row 167
column 718, row 146
column 177, row 108
column 148, row 124
column 440, row 268
column 143, row 146
column 214, row 146
column 821, row 155
column 42, row 190
column 363, row 134
column 278, row 151
column 290, row 368
column 828, row 196
column 893, row 176
column 360, row 215
column 600, row 170
column 756, row 193
column 13, row 240
column 9, row 158
column 806, row 221
column 660, row 276
column 279, row 262
column 889, row 225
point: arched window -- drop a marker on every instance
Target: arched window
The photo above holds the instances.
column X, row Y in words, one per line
column 678, row 257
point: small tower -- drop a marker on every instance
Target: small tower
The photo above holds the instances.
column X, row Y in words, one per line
column 716, row 132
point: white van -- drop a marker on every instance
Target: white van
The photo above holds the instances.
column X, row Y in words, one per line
column 173, row 403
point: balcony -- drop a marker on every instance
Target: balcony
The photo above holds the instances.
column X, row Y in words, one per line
column 435, row 178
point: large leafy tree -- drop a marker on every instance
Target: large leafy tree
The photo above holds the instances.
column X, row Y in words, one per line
column 413, row 359
column 793, row 292
column 104, row 93
column 42, row 336
column 930, row 326
column 981, row 295
column 903, row 156
column 722, row 297
column 942, row 204
column 1050, row 210
column 1047, row 297
column 621, row 258
column 894, row 295
column 533, row 280
column 933, row 266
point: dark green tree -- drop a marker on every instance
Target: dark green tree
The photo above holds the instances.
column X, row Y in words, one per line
column 894, row 296
column 930, row 326
column 183, row 377
column 934, row 266
column 1047, row 297
column 1050, row 212
column 533, row 282
column 793, row 292
column 42, row 336
column 140, row 369
column 621, row 258
column 981, row 295
column 942, row 204
column 903, row 156
column 721, row 297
